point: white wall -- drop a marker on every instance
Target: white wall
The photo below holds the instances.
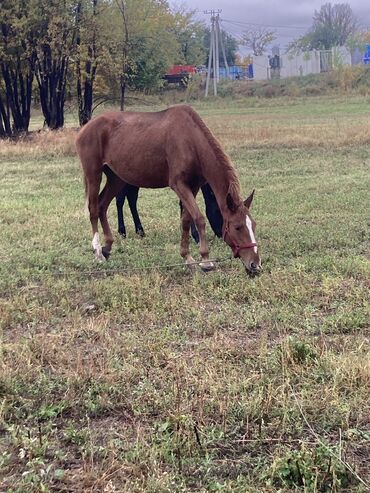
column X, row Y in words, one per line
column 341, row 56
column 298, row 65
column 261, row 68
column 301, row 64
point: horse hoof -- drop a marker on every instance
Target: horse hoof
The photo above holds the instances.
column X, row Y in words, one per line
column 140, row 232
column 191, row 264
column 99, row 257
column 207, row 266
column 123, row 235
column 105, row 253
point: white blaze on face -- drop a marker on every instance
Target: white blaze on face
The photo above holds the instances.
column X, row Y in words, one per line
column 248, row 223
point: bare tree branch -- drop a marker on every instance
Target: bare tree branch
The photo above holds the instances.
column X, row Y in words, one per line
column 258, row 40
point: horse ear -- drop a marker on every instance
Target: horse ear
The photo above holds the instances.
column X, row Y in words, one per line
column 230, row 203
column 248, row 201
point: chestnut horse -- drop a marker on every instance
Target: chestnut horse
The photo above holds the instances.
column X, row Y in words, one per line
column 171, row 148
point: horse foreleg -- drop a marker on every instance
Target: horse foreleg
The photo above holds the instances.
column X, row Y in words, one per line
column 120, row 200
column 184, row 245
column 193, row 229
column 132, row 196
column 188, row 200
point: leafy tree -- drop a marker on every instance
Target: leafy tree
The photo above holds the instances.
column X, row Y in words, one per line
column 142, row 44
column 332, row 25
column 258, row 40
column 90, row 51
column 17, row 64
column 190, row 36
column 358, row 40
column 53, row 51
column 118, row 44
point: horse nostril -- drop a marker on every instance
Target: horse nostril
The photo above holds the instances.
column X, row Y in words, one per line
column 254, row 266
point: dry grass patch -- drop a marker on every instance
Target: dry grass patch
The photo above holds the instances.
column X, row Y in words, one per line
column 40, row 143
column 254, row 133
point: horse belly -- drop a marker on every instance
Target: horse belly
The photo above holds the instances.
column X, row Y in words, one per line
column 142, row 173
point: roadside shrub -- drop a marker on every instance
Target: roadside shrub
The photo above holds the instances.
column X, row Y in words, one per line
column 268, row 91
column 316, row 470
column 300, row 352
column 292, row 90
column 312, row 90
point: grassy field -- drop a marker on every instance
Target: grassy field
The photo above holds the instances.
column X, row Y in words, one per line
column 130, row 377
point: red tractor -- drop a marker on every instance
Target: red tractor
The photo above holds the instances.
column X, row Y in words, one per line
column 180, row 74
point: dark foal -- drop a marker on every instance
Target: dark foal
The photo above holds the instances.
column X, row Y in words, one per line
column 131, row 192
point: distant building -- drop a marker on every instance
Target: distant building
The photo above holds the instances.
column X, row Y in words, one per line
column 297, row 65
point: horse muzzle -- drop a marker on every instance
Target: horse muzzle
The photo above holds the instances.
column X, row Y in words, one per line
column 253, row 269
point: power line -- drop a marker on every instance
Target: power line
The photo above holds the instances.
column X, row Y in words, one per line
column 237, row 32
column 264, row 25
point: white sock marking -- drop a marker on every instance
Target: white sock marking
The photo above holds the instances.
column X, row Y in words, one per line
column 248, row 222
column 96, row 243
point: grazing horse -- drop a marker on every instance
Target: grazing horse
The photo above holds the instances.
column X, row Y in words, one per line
column 131, row 192
column 171, row 148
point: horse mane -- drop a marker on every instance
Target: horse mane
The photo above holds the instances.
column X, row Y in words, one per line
column 221, row 156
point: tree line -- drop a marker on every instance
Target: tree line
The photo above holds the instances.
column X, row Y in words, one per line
column 54, row 49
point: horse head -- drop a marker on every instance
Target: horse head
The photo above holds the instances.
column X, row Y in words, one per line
column 239, row 233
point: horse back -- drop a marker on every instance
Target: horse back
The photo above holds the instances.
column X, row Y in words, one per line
column 144, row 149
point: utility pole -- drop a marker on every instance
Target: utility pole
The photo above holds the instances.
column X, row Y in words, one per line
column 223, row 51
column 215, row 74
column 217, row 53
column 214, row 53
column 210, row 56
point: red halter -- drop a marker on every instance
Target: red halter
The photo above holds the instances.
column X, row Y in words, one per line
column 234, row 246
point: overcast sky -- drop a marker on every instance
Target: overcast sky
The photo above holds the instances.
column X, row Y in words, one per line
column 292, row 18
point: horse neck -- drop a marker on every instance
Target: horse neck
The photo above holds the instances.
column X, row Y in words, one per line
column 218, row 175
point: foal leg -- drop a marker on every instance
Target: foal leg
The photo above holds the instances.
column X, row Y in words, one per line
column 213, row 212
column 194, row 233
column 187, row 198
column 120, row 200
column 132, row 195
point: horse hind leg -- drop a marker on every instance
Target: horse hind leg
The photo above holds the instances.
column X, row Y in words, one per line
column 92, row 172
column 92, row 192
column 113, row 185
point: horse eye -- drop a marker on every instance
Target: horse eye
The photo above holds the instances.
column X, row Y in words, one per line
column 238, row 228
